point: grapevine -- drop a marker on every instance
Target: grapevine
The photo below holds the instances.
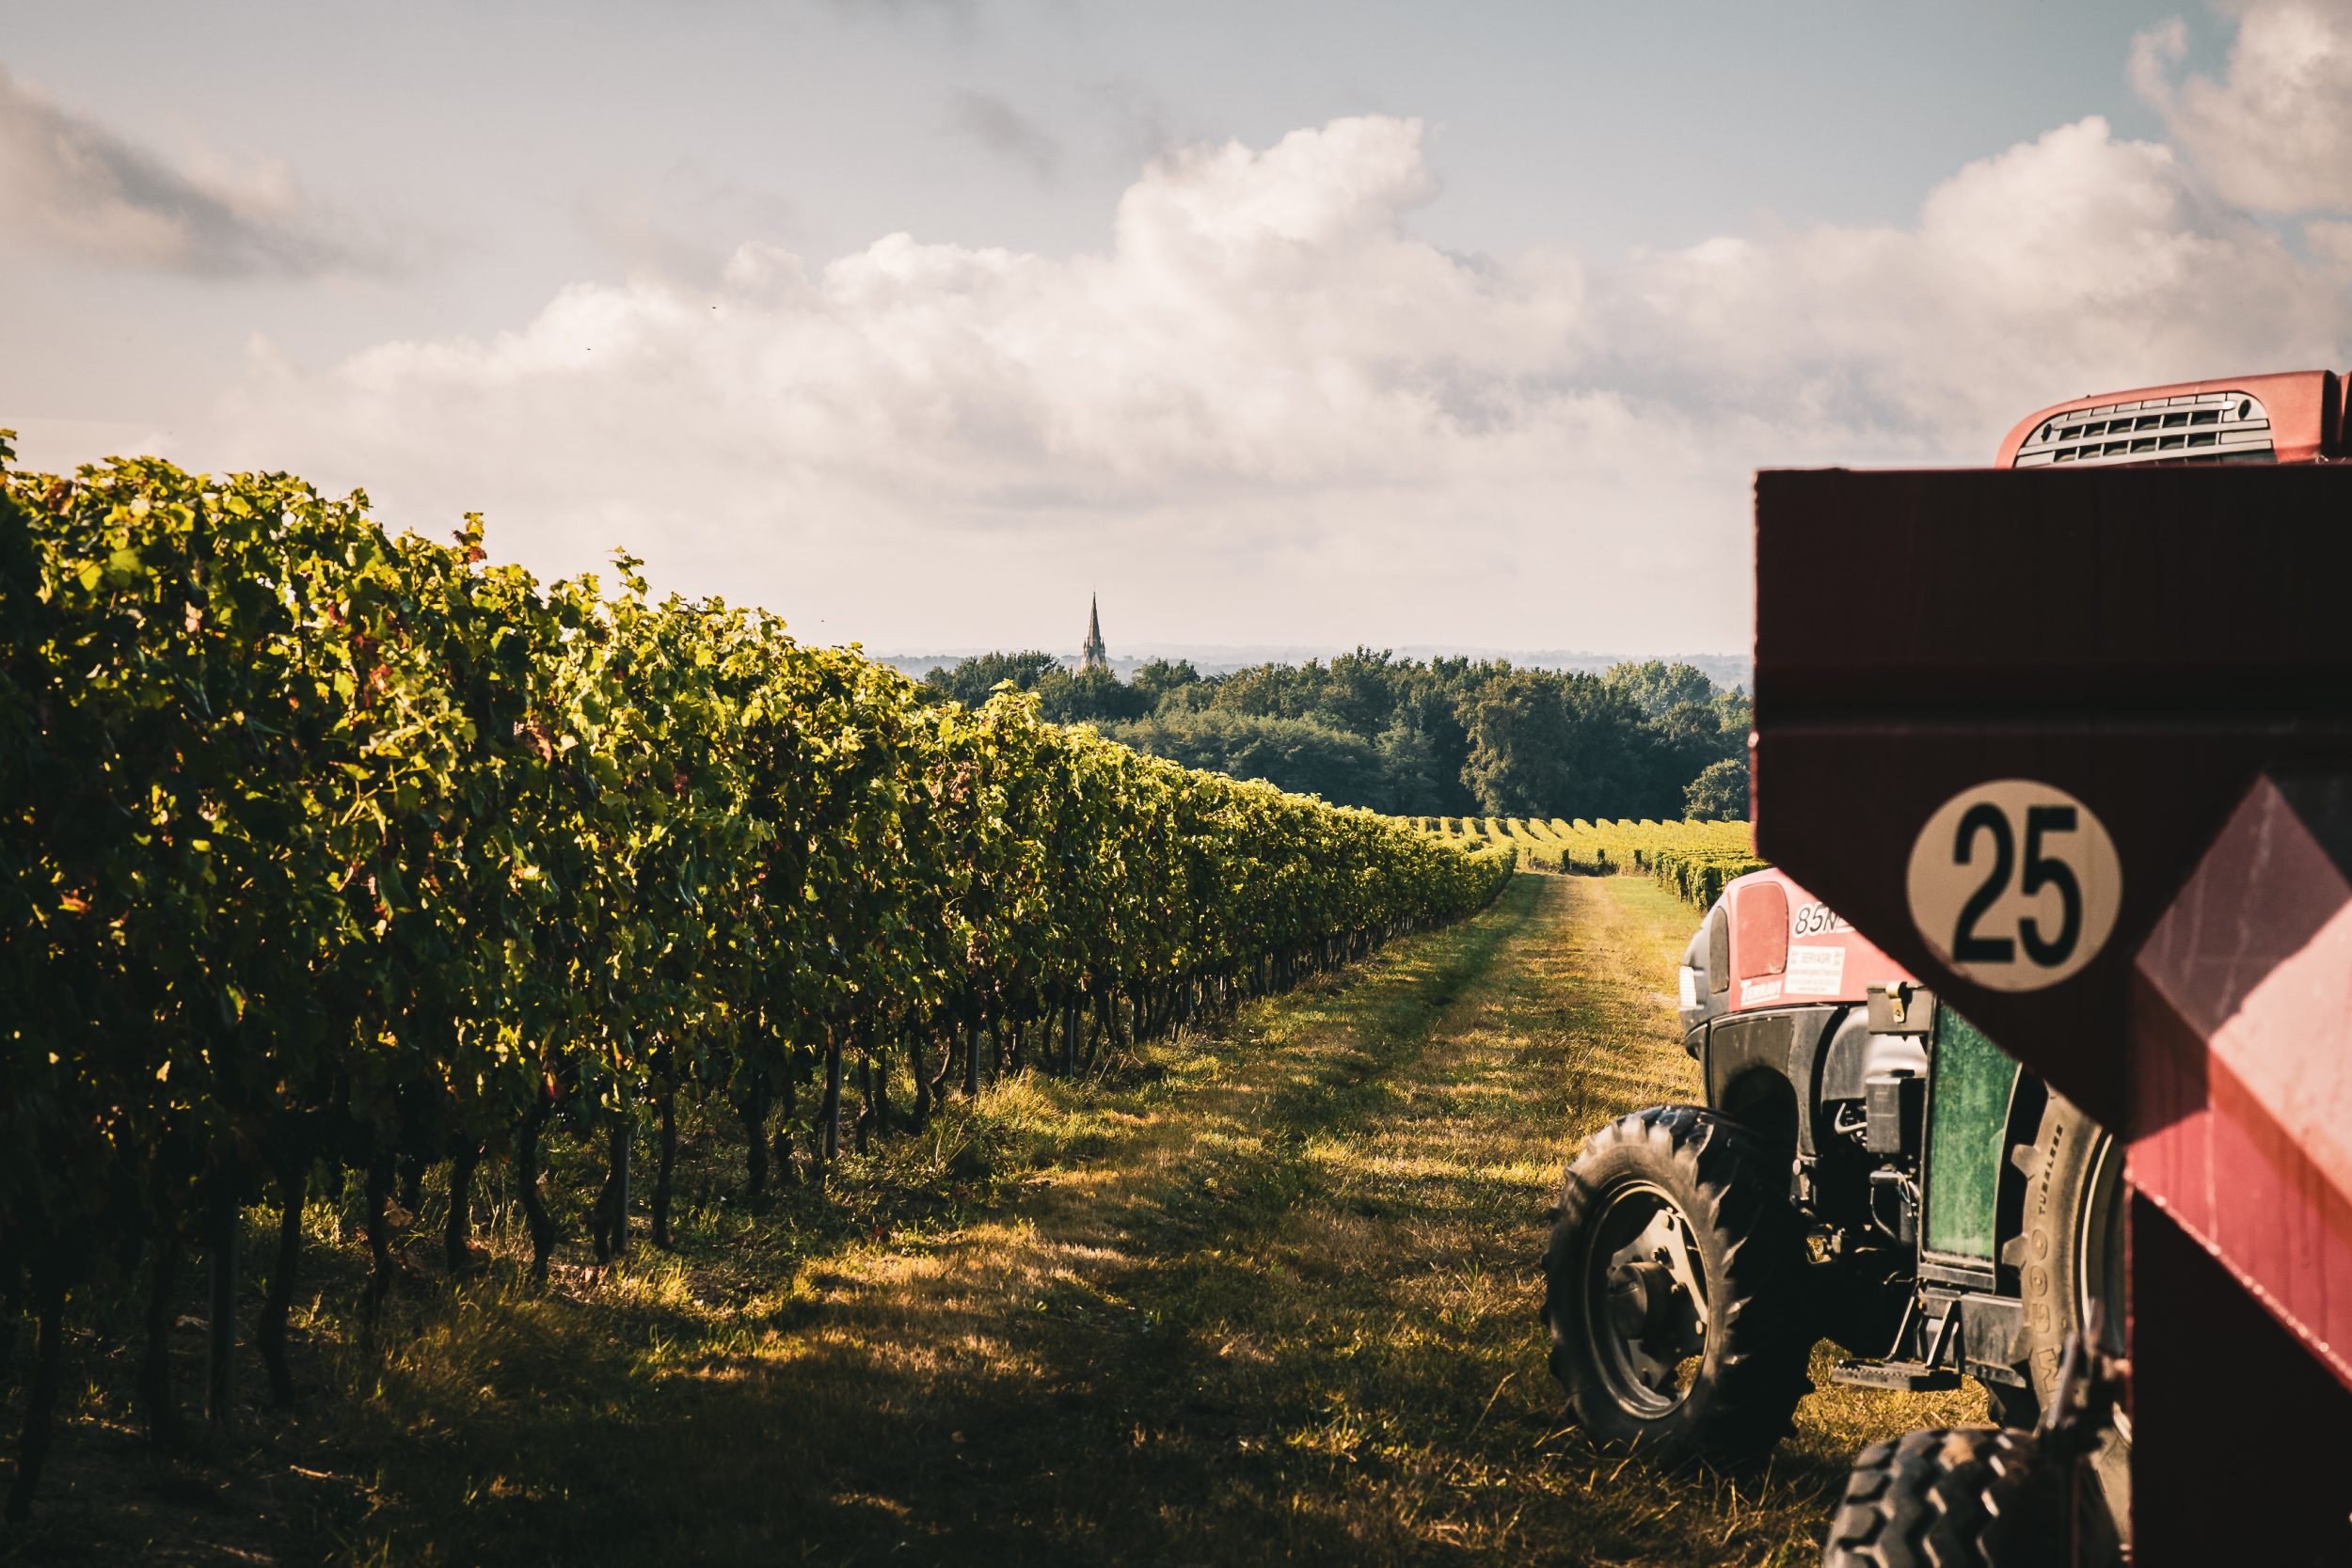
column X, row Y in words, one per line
column 334, row 850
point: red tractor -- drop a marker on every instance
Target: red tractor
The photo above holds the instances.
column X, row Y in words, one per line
column 2044, row 696
column 1868, row 1168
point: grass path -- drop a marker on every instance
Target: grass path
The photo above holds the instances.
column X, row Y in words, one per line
column 1277, row 1308
column 1272, row 1299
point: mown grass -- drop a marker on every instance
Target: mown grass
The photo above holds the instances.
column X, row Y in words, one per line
column 1270, row 1296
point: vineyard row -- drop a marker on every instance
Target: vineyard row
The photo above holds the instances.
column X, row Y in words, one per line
column 333, row 850
column 1693, row 859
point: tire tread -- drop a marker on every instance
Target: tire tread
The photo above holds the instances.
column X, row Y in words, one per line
column 1760, row 1370
column 1949, row 1498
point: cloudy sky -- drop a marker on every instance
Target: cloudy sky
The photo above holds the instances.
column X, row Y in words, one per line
column 916, row 320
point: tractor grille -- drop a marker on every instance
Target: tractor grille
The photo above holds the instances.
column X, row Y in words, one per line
column 2207, row 427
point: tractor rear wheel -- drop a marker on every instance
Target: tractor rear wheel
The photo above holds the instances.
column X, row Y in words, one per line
column 2069, row 1255
column 1673, row 1288
column 1951, row 1497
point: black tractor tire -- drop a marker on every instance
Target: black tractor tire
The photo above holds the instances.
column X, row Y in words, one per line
column 2069, row 1252
column 1673, row 1290
column 1950, row 1497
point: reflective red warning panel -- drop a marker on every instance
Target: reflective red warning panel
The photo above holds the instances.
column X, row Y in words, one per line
column 2242, row 1080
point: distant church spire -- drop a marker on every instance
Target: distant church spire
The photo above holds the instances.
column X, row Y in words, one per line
column 1093, row 656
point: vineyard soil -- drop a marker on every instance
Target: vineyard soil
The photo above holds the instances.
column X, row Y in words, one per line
column 1269, row 1298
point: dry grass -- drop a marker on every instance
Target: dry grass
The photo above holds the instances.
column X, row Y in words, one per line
column 1269, row 1300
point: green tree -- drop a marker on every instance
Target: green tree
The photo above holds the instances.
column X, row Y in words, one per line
column 1720, row 793
column 1293, row 754
column 1521, row 735
column 971, row 681
column 1269, row 690
column 1735, row 713
column 1359, row 692
column 1657, row 688
column 1090, row 697
column 1412, row 780
column 1157, row 677
column 1431, row 706
column 1628, row 743
column 1673, row 749
column 1545, row 744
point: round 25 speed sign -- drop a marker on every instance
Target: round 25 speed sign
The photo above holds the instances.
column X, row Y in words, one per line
column 2015, row 884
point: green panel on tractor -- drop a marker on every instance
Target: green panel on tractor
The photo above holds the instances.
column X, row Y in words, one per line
column 1967, row 1134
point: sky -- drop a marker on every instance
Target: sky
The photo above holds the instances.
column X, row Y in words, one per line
column 918, row 320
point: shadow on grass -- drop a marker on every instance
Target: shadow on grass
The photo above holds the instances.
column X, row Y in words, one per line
column 1270, row 1296
column 1032, row 1381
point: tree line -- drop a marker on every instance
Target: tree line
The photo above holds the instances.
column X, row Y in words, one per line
column 1445, row 736
column 331, row 854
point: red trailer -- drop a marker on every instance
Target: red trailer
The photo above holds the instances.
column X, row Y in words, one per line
column 2071, row 740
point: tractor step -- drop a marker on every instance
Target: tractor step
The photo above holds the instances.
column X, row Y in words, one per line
column 1916, row 1377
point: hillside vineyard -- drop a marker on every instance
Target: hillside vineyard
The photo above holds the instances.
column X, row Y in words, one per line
column 333, row 850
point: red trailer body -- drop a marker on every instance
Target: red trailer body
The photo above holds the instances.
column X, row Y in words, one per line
column 2102, row 715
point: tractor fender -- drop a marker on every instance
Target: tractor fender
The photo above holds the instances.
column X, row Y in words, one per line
column 1761, row 1067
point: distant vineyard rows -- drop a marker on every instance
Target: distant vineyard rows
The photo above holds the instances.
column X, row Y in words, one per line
column 327, row 849
column 1693, row 859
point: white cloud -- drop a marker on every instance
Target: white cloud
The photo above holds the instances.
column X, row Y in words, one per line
column 71, row 183
column 1264, row 373
column 1267, row 411
column 2275, row 135
column 2064, row 265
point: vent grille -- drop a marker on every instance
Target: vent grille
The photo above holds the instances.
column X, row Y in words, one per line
column 2205, row 427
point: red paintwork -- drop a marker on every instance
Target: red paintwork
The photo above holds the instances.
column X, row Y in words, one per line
column 2242, row 1085
column 2241, row 1168
column 2169, row 645
column 2306, row 410
column 2237, row 1439
column 1823, row 960
column 2150, row 640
